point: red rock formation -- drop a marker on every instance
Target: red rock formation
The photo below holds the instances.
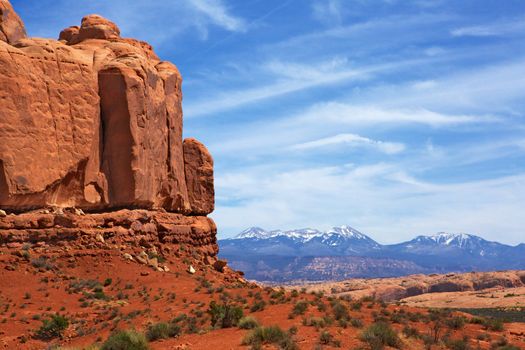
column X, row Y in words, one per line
column 198, row 166
column 94, row 121
column 132, row 228
column 11, row 26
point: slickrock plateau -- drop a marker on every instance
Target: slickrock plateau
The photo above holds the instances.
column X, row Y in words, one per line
column 105, row 241
column 399, row 288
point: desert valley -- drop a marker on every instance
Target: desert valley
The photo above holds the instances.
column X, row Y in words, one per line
column 106, row 239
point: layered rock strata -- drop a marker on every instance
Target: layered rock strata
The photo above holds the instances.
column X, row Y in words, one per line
column 136, row 228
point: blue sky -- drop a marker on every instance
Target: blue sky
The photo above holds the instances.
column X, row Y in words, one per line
column 396, row 117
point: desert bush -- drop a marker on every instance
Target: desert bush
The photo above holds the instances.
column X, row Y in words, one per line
column 269, row 335
column 52, row 327
column 317, row 322
column 126, row 340
column 456, row 322
column 410, row 332
column 224, row 315
column 258, row 305
column 356, row 323
column 326, row 338
column 380, row 334
column 42, row 262
column 340, row 311
column 356, row 306
column 299, row 308
column 494, row 324
column 458, row 344
column 248, row 322
column 162, row 330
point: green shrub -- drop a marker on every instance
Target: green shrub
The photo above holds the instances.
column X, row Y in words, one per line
column 494, row 324
column 162, row 330
column 356, row 323
column 269, row 335
column 380, row 334
column 258, row 306
column 456, row 322
column 410, row 332
column 356, row 306
column 325, row 338
column 248, row 322
column 458, row 344
column 224, row 315
column 52, row 327
column 126, row 340
column 340, row 311
column 317, row 322
column 299, row 308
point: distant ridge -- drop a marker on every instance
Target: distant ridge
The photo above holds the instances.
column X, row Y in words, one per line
column 344, row 252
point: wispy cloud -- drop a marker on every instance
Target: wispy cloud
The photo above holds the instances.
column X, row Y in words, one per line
column 352, row 140
column 329, row 12
column 154, row 21
column 492, row 29
column 218, row 14
column 349, row 114
column 286, row 78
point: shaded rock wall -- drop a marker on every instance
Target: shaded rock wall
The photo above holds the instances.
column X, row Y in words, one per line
column 94, row 121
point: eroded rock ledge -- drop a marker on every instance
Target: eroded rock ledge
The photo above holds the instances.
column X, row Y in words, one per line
column 141, row 229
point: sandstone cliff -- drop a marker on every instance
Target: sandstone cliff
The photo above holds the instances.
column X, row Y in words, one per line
column 91, row 148
column 94, row 121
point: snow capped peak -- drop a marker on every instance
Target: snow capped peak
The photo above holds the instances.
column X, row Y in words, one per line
column 252, row 232
column 451, row 239
column 334, row 236
column 348, row 232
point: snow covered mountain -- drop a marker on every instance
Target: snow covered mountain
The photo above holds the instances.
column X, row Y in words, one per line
column 445, row 243
column 266, row 252
column 343, row 240
column 333, row 237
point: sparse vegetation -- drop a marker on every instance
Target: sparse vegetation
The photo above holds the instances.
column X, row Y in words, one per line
column 224, row 315
column 126, row 340
column 52, row 327
column 270, row 335
column 380, row 334
column 162, row 330
column 248, row 322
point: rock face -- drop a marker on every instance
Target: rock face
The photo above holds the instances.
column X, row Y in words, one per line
column 94, row 121
column 198, row 166
column 11, row 26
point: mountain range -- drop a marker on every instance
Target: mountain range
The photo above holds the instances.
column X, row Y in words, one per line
column 343, row 252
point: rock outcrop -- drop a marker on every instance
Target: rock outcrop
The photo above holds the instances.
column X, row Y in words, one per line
column 94, row 121
column 91, row 147
column 397, row 288
column 124, row 228
column 11, row 26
